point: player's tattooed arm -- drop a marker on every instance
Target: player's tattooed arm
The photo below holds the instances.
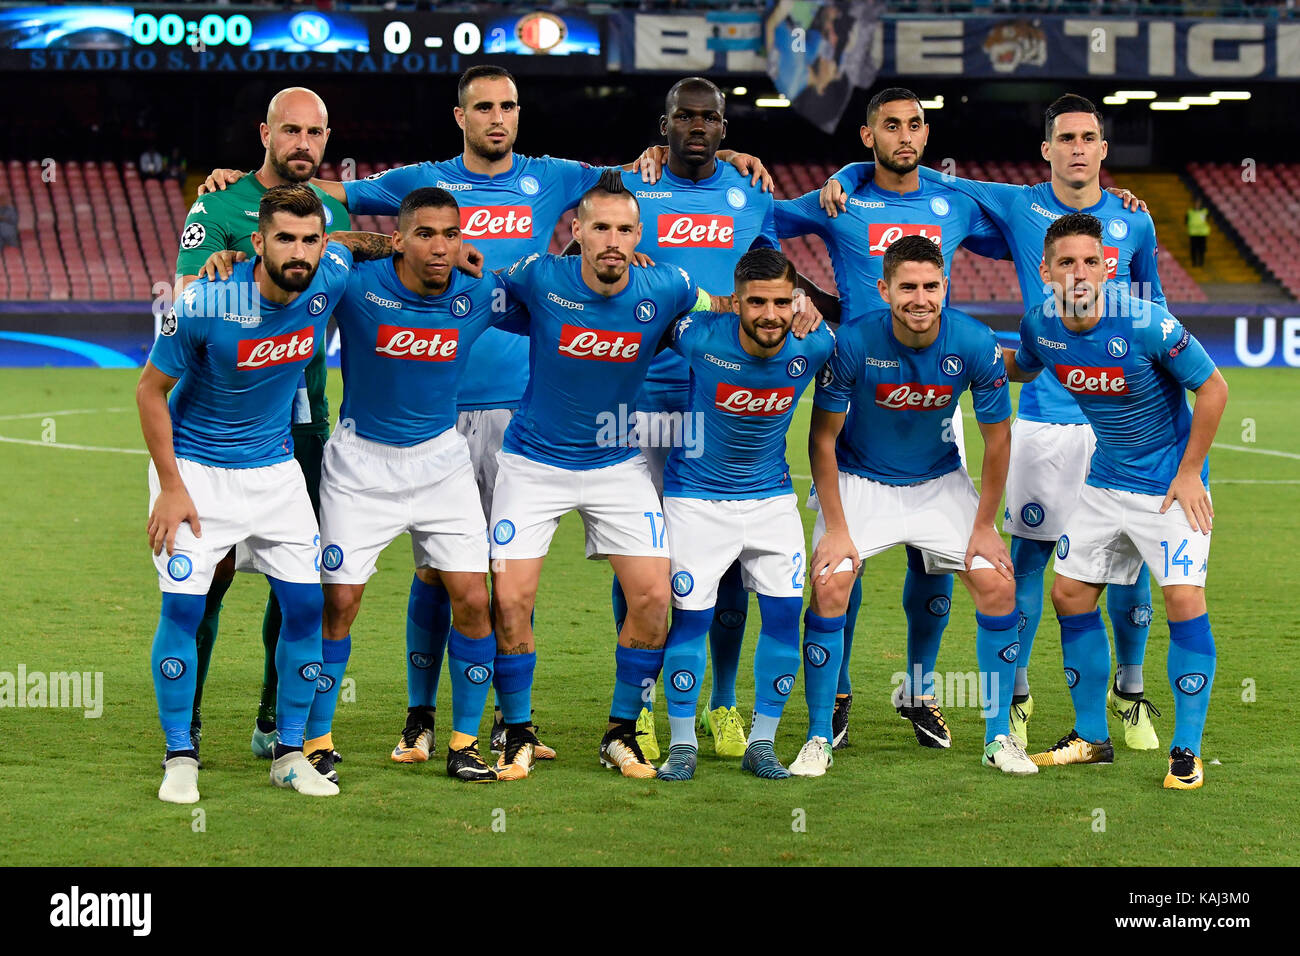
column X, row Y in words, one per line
column 1187, row 488
column 836, row 545
column 984, row 538
column 364, row 245
column 173, row 504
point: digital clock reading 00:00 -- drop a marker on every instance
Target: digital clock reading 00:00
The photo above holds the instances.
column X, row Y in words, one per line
column 173, row 30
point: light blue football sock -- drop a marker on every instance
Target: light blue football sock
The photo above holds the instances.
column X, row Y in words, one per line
column 428, row 621
column 1029, row 557
column 845, row 685
column 297, row 657
column 683, row 669
column 1191, row 666
column 996, row 649
column 174, row 664
column 512, row 676
column 926, row 601
column 334, row 662
column 823, row 646
column 635, row 672
column 1129, row 609
column 471, row 663
column 726, row 634
column 1086, row 654
column 776, row 661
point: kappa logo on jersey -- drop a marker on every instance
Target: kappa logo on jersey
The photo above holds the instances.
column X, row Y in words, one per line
column 1010, row 652
column 318, row 302
column 816, row 655
column 697, row 230
column 784, row 684
column 1192, row 684
column 645, row 311
column 912, row 395
column 1071, row 677
column 332, row 557
column 171, row 667
column 422, row 661
column 683, row 680
column 496, row 222
column 179, row 567
column 1091, row 380
column 478, row 674
column 798, row 365
column 1117, row 347
column 599, row 345
column 423, row 345
column 310, row 671
column 753, row 401
column 504, row 532
column 683, row 583
column 280, row 350
column 882, row 235
column 193, row 235
column 1032, row 514
column 952, row 365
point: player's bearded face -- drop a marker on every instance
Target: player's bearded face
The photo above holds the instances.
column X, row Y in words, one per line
column 915, row 294
column 766, row 308
column 490, row 117
column 607, row 235
column 291, row 250
column 429, row 246
column 1076, row 149
column 296, row 145
column 1076, row 273
column 898, row 137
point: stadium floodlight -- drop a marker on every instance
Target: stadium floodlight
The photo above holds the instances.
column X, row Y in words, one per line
column 1169, row 106
column 772, row 101
column 1199, row 100
column 1114, row 100
column 1136, row 94
column 1231, row 94
column 934, row 104
column 739, row 90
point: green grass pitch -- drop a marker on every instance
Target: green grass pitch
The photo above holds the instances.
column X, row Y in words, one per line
column 79, row 594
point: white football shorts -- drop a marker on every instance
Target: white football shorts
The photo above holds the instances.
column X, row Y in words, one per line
column 935, row 517
column 618, row 504
column 1048, row 466
column 1112, row 533
column 371, row 492
column 765, row 534
column 484, row 428
column 657, row 434
column 265, row 510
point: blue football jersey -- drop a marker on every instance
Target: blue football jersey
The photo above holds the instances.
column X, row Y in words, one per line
column 704, row 227
column 741, row 406
column 589, row 357
column 1023, row 213
column 1128, row 374
column 874, row 218
column 404, row 354
column 899, row 430
column 507, row 217
column 239, row 362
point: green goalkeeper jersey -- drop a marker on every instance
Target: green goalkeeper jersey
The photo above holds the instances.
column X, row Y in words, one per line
column 227, row 220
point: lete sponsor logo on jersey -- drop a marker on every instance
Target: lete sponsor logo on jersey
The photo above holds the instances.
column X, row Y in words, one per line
column 754, row 401
column 910, row 395
column 599, row 345
column 699, row 230
column 882, row 235
column 496, row 222
column 423, row 345
column 1091, row 380
column 279, row 350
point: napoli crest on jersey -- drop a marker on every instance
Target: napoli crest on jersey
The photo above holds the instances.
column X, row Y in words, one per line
column 179, row 567
column 1192, row 684
column 1010, row 652
column 477, row 674
column 784, row 684
column 1063, row 547
column 1071, row 677
column 318, row 303
column 736, row 198
column 504, row 531
column 683, row 583
column 171, row 667
column 940, row 206
column 798, row 365
column 1117, row 228
column 1117, row 347
column 529, row 185
column 193, row 235
column 332, row 557
column 815, row 655
column 1032, row 514
column 460, row 306
column 310, row 671
column 952, row 365
column 683, row 680
column 645, row 311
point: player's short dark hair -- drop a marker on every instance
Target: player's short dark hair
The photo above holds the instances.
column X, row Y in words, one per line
column 610, row 184
column 911, row 249
column 478, row 73
column 1069, row 103
column 1074, row 224
column 426, row 197
column 890, row 95
column 763, row 263
column 694, row 84
column 297, row 199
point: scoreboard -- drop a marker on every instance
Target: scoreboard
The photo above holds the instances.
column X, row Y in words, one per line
column 214, row 39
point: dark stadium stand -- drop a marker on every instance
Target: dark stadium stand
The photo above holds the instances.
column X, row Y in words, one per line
column 1265, row 213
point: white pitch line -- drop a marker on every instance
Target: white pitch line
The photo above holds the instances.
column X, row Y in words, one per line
column 65, row 445
column 1258, row 451
column 67, row 411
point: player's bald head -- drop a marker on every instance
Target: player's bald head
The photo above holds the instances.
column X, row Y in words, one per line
column 694, row 87
column 296, row 101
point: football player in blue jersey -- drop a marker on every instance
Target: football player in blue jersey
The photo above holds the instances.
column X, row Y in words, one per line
column 730, row 500
column 1146, row 501
column 893, row 202
column 222, row 472
column 892, row 475
column 1053, row 441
